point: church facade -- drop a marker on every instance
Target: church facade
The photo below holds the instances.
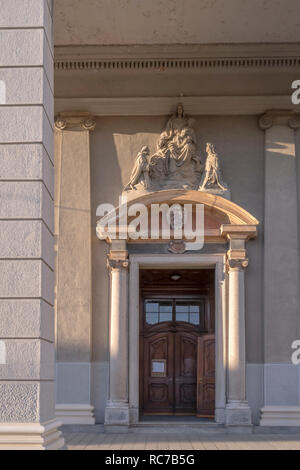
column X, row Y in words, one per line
column 149, row 216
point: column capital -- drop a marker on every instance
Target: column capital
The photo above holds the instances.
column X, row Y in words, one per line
column 236, row 264
column 75, row 121
column 238, row 235
column 117, row 259
column 279, row 118
column 237, row 256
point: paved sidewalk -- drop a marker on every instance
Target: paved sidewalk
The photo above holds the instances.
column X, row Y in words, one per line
column 186, row 441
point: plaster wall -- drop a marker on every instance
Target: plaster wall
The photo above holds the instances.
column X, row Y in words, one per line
column 175, row 21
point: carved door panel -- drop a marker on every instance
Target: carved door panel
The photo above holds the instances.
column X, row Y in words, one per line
column 206, row 376
column 176, row 309
column 185, row 372
column 158, row 373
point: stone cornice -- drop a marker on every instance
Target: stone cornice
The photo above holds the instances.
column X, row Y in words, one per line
column 177, row 57
column 183, row 64
column 239, row 232
column 279, row 117
column 162, row 106
column 75, row 121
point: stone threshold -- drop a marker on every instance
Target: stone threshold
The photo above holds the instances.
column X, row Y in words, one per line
column 171, row 427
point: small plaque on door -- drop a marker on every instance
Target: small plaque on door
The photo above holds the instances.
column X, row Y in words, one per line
column 158, row 368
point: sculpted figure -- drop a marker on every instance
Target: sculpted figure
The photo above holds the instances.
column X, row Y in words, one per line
column 159, row 161
column 212, row 173
column 175, row 163
column 140, row 172
column 184, row 149
column 177, row 122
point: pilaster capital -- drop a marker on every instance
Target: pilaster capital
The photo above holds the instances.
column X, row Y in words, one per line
column 237, row 264
column 75, row 121
column 117, row 259
column 237, row 255
column 238, row 235
column 279, row 118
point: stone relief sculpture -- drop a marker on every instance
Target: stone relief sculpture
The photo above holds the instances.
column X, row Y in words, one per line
column 139, row 178
column 177, row 122
column 212, row 180
column 176, row 163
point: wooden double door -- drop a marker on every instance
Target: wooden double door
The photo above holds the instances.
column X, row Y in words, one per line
column 177, row 354
column 179, row 374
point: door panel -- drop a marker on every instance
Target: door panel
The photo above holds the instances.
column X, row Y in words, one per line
column 171, row 359
column 158, row 390
column 206, row 376
column 185, row 372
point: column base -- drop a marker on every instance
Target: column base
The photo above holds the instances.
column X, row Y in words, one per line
column 238, row 413
column 75, row 413
column 31, row 436
column 134, row 415
column 220, row 415
column 116, row 416
column 280, row 416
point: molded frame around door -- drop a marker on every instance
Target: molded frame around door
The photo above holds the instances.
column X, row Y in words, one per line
column 184, row 261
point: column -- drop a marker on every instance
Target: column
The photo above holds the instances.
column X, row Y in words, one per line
column 221, row 353
column 73, row 284
column 27, row 397
column 238, row 412
column 237, row 409
column 281, row 267
column 117, row 407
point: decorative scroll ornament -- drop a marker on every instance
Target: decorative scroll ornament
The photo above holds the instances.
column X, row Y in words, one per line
column 176, row 163
column 265, row 122
column 117, row 260
column 294, row 122
column 60, row 123
column 238, row 263
column 89, row 124
column 279, row 117
column 117, row 264
column 75, row 121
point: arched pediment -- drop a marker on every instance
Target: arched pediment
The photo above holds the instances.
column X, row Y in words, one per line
column 221, row 216
column 225, row 210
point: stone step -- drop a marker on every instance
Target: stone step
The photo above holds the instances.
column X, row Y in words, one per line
column 170, row 427
column 177, row 428
column 277, row 430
